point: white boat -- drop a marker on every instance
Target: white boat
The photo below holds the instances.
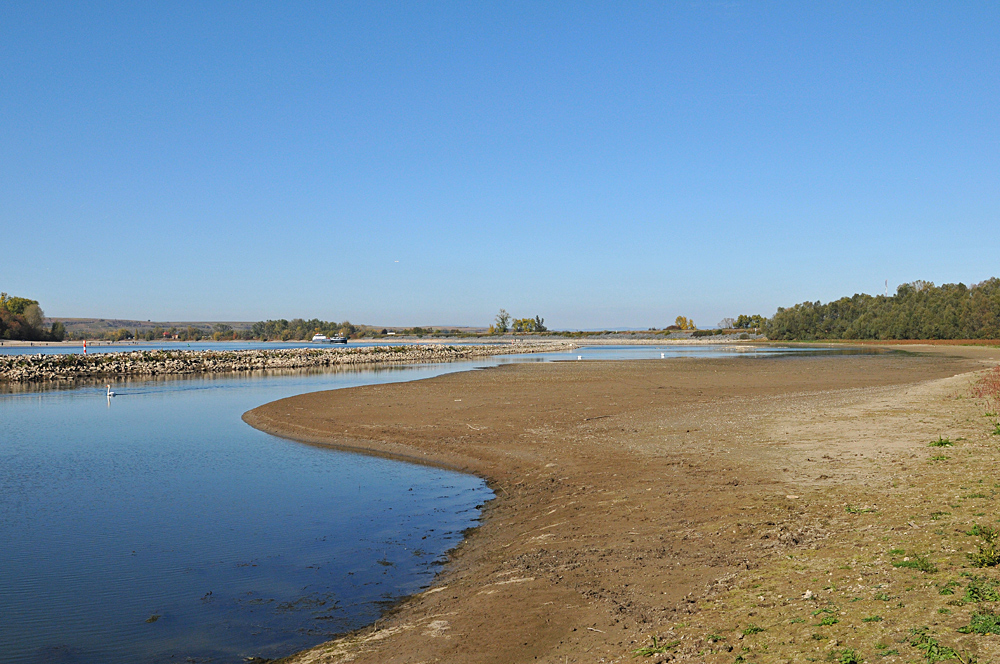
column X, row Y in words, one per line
column 323, row 339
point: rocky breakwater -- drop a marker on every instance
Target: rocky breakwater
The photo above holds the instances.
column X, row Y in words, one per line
column 33, row 368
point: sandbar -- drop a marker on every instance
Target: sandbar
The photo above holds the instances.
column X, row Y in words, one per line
column 683, row 499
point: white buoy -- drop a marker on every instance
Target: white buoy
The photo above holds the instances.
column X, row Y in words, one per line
column 579, row 357
column 663, row 356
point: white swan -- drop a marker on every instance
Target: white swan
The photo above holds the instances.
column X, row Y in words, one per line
column 110, row 393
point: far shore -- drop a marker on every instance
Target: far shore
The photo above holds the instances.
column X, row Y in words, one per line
column 702, row 509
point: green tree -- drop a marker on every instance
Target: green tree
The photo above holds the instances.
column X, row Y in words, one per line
column 501, row 323
column 58, row 331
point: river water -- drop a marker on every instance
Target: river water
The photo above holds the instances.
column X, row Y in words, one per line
column 156, row 526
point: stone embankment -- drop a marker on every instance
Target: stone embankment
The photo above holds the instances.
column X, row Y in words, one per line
column 32, row 368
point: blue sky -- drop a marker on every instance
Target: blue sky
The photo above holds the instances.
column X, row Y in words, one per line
column 598, row 164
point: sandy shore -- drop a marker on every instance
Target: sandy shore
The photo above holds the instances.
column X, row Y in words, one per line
column 732, row 508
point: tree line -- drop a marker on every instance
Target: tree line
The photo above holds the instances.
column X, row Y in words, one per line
column 918, row 310
column 22, row 319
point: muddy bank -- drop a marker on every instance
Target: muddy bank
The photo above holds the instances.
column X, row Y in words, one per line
column 630, row 495
column 41, row 367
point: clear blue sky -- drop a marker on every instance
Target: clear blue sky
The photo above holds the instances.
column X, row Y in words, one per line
column 598, row 164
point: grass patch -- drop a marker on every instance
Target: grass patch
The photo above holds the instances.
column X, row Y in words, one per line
column 827, row 621
column 933, row 651
column 982, row 589
column 986, row 622
column 871, row 619
column 920, row 563
column 941, row 442
column 897, row 552
column 882, row 597
column 937, row 515
column 939, row 457
column 848, row 656
column 987, row 554
column 656, row 649
column 752, row 629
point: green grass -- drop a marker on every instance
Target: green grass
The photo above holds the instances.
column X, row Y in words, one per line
column 848, row 656
column 827, row 621
column 752, row 629
column 932, row 650
column 982, row 623
column 940, row 442
column 882, row 597
column 920, row 563
column 937, row 515
column 939, row 457
column 656, row 649
column 897, row 552
column 982, row 589
column 987, row 555
column 871, row 619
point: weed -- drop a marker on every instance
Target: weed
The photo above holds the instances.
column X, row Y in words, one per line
column 656, row 649
column 712, row 638
column 870, row 619
column 752, row 629
column 887, row 653
column 796, row 620
column 996, row 428
column 987, row 555
column 827, row 621
column 937, row 515
column 940, row 442
column 848, row 656
column 918, row 563
column 850, row 509
column 897, row 552
column 939, row 457
column 987, row 533
column 948, row 588
column 882, row 597
column 944, row 611
column 982, row 623
column 982, row 589
column 921, row 639
column 988, row 389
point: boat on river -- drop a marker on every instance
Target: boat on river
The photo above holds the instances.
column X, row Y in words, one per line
column 323, row 339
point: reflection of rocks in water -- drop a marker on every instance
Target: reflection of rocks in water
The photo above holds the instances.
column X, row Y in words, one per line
column 325, row 601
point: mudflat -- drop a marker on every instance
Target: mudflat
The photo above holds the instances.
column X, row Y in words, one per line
column 714, row 504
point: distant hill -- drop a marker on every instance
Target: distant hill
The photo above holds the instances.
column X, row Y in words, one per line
column 98, row 326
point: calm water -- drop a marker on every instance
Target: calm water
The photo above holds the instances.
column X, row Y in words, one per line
column 164, row 503
column 157, row 526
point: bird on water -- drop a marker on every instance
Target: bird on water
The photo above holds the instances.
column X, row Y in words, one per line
column 110, row 393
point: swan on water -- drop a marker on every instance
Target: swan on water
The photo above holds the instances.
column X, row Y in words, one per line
column 110, row 393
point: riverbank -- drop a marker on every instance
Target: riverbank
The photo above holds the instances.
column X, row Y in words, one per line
column 139, row 363
column 729, row 507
